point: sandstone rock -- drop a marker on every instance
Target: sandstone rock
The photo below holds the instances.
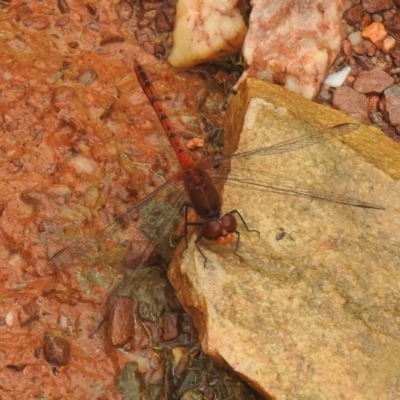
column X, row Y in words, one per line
column 313, row 305
column 293, row 43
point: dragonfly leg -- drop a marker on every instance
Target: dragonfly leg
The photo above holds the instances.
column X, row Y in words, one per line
column 244, row 222
column 185, row 231
column 187, row 223
column 234, row 252
column 200, row 251
column 184, row 206
column 237, row 244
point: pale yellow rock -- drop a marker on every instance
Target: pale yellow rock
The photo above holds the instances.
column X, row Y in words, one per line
column 314, row 315
column 206, row 30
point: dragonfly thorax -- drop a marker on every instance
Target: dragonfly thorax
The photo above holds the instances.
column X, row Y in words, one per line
column 220, row 230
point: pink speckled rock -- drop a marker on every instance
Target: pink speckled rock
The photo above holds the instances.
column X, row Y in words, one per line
column 373, row 6
column 293, row 43
column 390, row 104
column 354, row 14
column 351, row 102
column 373, row 81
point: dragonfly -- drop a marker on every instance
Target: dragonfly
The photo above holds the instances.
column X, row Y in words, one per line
column 195, row 186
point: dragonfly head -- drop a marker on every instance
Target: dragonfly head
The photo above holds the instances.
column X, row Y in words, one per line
column 220, row 230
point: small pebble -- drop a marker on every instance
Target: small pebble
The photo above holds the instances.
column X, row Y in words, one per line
column 325, row 95
column 387, row 15
column 338, row 78
column 373, row 103
column 154, row 362
column 376, row 32
column 359, row 50
column 159, row 50
column 280, row 234
column 144, row 35
column 63, row 6
column 390, row 105
column 112, row 40
column 92, row 9
column 346, row 47
column 372, row 81
column 388, row 44
column 352, row 102
column 149, row 47
column 366, row 21
column 38, row 352
column 354, row 14
column 143, row 22
column 374, row 6
column 37, row 23
column 162, row 23
column 94, row 26
column 83, row 164
column 195, row 143
column 171, row 326
column 88, row 77
column 147, row 6
column 9, row 319
column 124, row 10
column 355, row 38
column 56, row 350
column 370, row 48
column 63, row 21
column 63, row 321
column 377, row 18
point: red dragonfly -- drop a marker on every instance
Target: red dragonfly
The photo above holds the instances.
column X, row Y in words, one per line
column 195, row 185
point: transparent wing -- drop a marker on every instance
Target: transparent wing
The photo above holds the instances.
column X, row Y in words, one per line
column 281, row 185
column 135, row 218
column 128, row 244
column 302, row 141
column 165, row 220
column 294, row 144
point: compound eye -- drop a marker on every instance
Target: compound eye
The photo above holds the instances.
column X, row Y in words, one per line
column 229, row 223
column 212, row 230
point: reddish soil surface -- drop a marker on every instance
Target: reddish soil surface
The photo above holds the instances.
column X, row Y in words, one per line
column 79, row 143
